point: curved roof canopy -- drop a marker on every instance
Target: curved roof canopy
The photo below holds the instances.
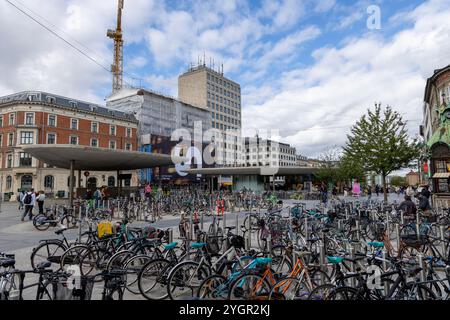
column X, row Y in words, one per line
column 98, row 159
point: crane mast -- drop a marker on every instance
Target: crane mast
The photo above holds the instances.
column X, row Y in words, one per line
column 117, row 36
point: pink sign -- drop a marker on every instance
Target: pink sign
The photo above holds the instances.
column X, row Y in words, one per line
column 356, row 188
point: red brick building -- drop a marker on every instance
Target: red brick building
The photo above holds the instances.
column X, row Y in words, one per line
column 41, row 118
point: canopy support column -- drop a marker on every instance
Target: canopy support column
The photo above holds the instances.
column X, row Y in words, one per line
column 71, row 184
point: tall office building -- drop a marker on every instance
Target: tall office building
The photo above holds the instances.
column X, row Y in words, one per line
column 208, row 89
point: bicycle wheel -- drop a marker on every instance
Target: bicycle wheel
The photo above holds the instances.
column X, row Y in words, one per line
column 184, row 280
column 40, row 222
column 47, row 251
column 118, row 260
column 133, row 266
column 343, row 293
column 321, row 292
column 152, row 279
column 290, row 289
column 249, row 286
column 213, row 288
column 69, row 221
column 74, row 256
column 412, row 291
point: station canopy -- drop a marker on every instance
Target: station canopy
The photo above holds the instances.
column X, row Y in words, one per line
column 250, row 171
column 98, row 159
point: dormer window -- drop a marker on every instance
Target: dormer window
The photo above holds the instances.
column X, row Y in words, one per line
column 32, row 97
column 73, row 104
column 51, row 99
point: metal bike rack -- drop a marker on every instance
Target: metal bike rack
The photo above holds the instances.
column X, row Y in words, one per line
column 170, row 232
column 402, row 218
column 306, row 228
column 418, row 225
column 237, row 224
column 442, row 237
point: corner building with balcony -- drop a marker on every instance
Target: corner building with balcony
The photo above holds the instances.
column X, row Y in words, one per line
column 28, row 118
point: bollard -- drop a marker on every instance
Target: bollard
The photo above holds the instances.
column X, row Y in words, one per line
column 442, row 236
column 418, row 225
column 269, row 245
column 202, row 220
column 191, row 227
column 224, row 222
column 358, row 230
column 249, row 237
column 388, row 226
column 397, row 236
column 351, row 250
column 323, row 265
column 386, row 284
column 306, row 228
column 339, row 225
column 170, row 231
column 422, row 272
column 402, row 219
column 79, row 224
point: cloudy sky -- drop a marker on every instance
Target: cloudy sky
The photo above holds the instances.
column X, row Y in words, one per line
column 308, row 68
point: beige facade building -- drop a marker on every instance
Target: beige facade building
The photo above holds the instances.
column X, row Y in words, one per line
column 208, row 89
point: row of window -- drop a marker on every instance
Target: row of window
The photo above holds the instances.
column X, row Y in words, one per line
column 223, row 82
column 221, row 117
column 27, row 138
column 282, row 150
column 52, row 122
column 221, row 126
column 224, row 109
column 224, row 92
column 215, row 97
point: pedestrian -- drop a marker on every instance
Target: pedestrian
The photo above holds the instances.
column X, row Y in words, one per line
column 410, row 191
column 97, row 197
column 334, row 192
column 369, row 193
column 377, row 190
column 324, row 193
column 29, row 201
column 40, row 201
column 148, row 190
column 424, row 205
column 426, row 192
column 408, row 207
column 20, row 199
column 345, row 191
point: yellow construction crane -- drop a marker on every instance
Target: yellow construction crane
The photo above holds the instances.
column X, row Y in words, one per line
column 116, row 35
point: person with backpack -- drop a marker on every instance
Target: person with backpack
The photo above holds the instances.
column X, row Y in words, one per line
column 29, row 200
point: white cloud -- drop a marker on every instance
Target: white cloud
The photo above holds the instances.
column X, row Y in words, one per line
column 316, row 105
column 324, row 5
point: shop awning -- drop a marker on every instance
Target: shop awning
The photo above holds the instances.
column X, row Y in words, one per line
column 441, row 175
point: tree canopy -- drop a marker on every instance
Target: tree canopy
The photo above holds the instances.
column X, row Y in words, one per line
column 379, row 142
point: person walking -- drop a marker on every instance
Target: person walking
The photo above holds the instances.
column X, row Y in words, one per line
column 97, row 197
column 29, row 200
column 369, row 193
column 40, row 201
column 426, row 192
column 20, row 199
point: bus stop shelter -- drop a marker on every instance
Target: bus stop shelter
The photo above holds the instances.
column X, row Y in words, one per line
column 80, row 158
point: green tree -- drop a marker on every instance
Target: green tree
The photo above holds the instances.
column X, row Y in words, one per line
column 380, row 142
column 397, row 181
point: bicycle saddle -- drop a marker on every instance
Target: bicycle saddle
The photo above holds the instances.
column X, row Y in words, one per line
column 60, row 231
column 43, row 265
column 198, row 245
column 335, row 260
column 170, row 246
column 5, row 263
column 230, row 228
column 376, row 244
